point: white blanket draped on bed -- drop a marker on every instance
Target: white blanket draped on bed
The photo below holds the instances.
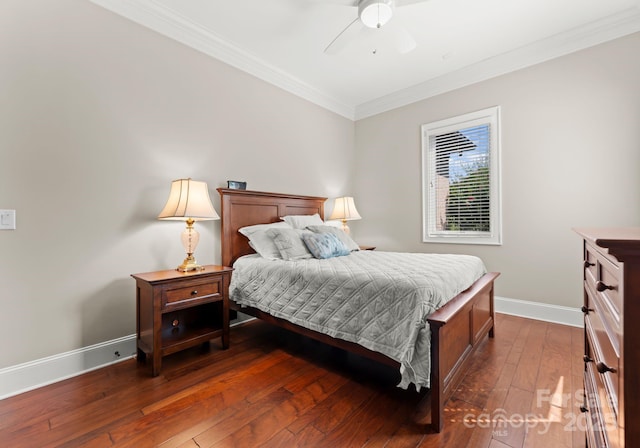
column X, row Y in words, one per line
column 379, row 300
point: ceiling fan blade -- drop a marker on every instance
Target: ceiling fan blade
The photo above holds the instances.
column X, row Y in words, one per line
column 393, row 37
column 343, row 37
column 403, row 40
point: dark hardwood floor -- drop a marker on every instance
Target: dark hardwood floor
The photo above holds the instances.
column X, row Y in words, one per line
column 275, row 389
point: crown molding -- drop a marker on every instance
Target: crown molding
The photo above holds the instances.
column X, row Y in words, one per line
column 609, row 28
column 167, row 22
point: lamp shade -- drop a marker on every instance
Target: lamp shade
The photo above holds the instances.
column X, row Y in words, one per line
column 345, row 209
column 188, row 199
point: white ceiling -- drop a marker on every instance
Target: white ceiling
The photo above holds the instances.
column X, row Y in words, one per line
column 459, row 42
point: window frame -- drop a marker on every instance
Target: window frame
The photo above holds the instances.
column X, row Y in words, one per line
column 490, row 116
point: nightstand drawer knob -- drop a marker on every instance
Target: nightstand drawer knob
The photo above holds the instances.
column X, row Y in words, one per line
column 588, row 264
column 586, row 358
column 194, row 292
column 584, row 409
column 175, row 323
column 603, row 368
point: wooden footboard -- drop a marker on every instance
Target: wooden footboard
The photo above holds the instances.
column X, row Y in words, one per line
column 456, row 328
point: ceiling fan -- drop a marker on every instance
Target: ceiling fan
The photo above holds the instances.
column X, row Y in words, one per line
column 372, row 15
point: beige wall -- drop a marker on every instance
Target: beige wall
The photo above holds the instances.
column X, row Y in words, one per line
column 97, row 116
column 570, row 157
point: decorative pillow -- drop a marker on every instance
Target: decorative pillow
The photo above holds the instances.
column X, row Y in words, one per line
column 302, row 221
column 325, row 245
column 289, row 243
column 346, row 239
column 261, row 242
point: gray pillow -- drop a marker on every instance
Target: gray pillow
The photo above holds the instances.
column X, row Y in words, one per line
column 289, row 243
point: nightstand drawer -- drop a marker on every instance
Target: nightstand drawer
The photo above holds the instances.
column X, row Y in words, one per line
column 192, row 293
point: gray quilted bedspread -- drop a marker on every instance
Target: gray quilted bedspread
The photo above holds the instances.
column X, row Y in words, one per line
column 379, row 300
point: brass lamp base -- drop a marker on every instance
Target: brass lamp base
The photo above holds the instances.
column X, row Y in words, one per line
column 189, row 264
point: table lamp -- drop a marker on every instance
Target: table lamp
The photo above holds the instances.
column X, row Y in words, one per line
column 189, row 201
column 345, row 210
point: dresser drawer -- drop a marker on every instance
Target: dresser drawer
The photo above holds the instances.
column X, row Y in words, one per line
column 603, row 277
column 608, row 285
column 595, row 427
column 600, row 307
column 603, row 359
column 194, row 292
column 590, row 264
column 601, row 420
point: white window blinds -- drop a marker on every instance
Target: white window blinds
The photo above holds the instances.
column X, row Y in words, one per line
column 460, row 179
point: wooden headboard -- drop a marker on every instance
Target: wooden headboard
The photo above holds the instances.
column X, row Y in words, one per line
column 242, row 208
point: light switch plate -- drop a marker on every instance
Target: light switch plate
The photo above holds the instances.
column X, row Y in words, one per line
column 7, row 219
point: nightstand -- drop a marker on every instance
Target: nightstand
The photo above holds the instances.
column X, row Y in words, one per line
column 177, row 310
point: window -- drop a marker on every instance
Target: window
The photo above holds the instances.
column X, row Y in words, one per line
column 461, row 179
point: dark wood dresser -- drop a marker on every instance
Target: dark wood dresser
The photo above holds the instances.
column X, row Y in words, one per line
column 612, row 336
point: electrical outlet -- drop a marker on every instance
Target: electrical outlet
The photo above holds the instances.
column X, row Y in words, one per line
column 7, row 219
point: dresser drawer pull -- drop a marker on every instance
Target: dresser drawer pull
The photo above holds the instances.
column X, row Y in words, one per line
column 584, row 409
column 586, row 358
column 586, row 310
column 601, row 286
column 194, row 292
column 603, row 368
column 588, row 264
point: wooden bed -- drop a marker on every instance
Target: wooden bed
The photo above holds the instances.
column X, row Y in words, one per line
column 456, row 329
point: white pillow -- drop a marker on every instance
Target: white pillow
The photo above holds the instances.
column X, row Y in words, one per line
column 290, row 244
column 262, row 243
column 302, row 221
column 342, row 236
column 248, row 230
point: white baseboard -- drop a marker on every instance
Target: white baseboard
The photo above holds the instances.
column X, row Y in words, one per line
column 21, row 378
column 31, row 375
column 540, row 311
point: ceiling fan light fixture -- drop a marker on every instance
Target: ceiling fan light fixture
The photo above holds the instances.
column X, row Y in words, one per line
column 375, row 13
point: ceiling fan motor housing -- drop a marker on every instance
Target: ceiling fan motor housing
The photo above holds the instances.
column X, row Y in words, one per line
column 375, row 13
